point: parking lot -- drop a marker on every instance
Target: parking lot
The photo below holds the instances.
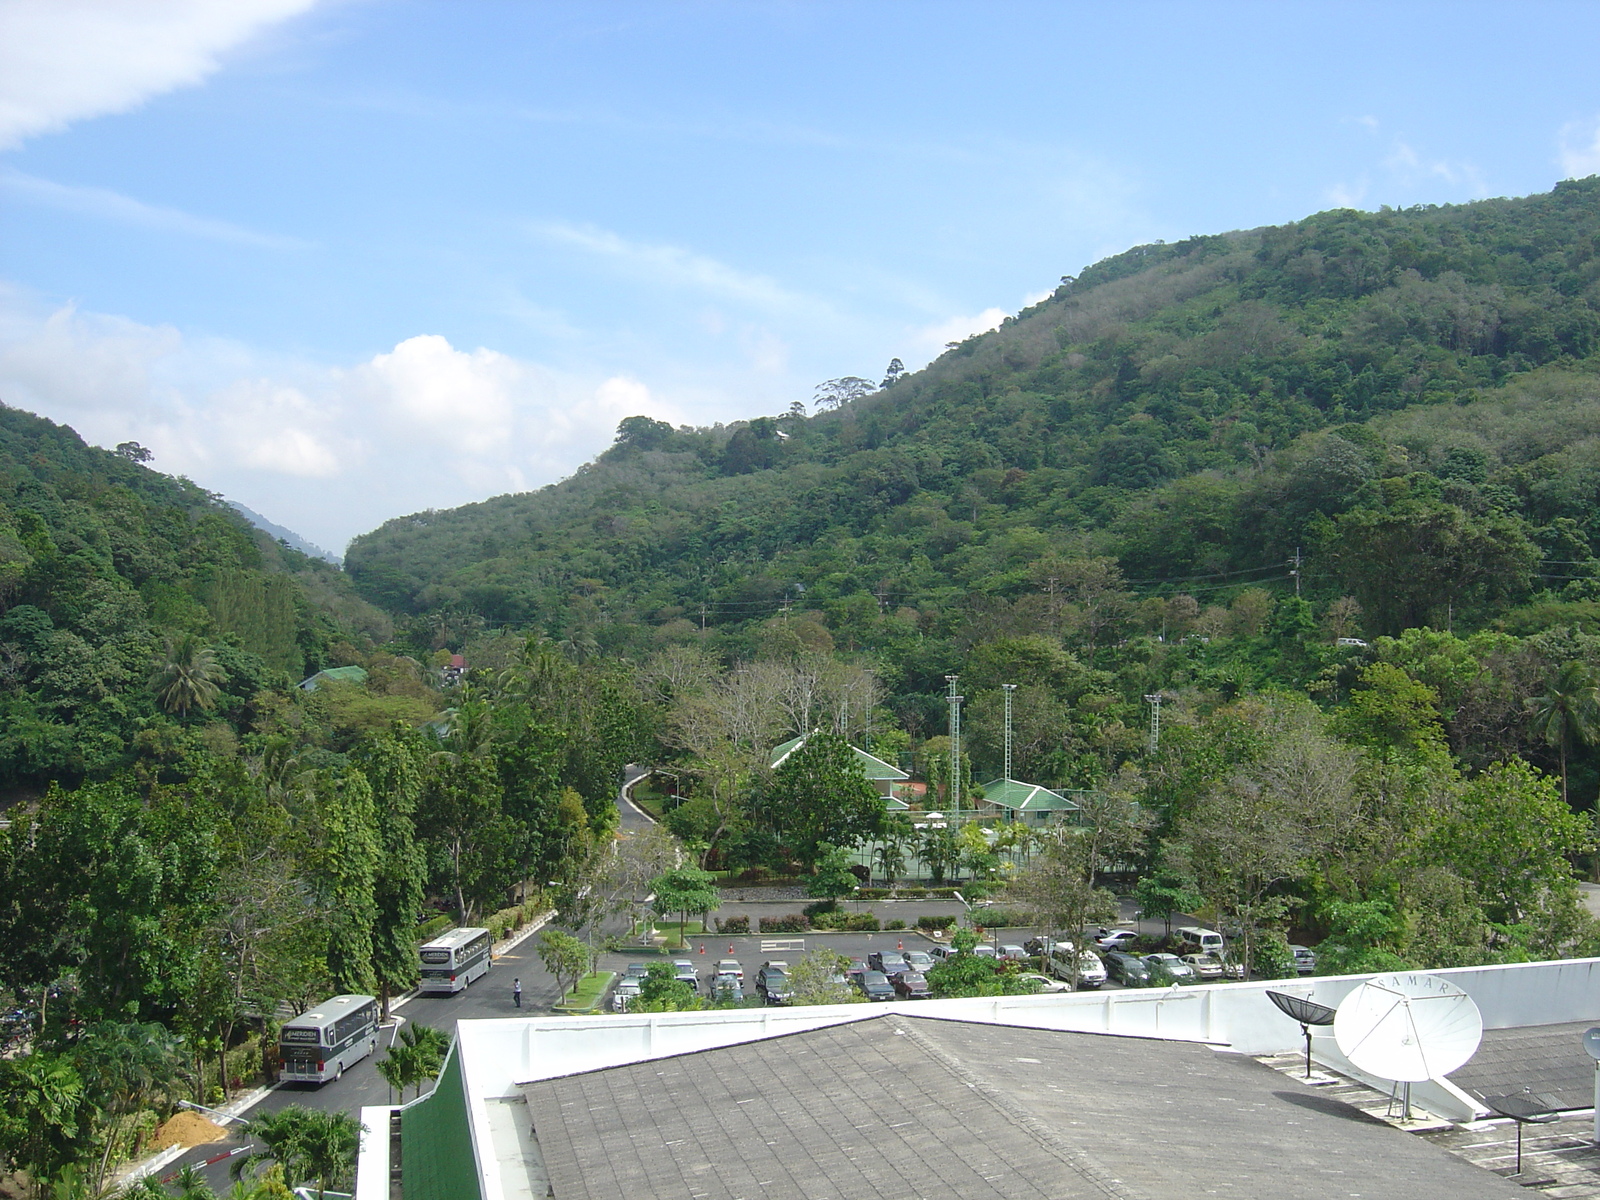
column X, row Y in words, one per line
column 752, row 950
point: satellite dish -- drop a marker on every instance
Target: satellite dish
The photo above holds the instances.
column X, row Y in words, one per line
column 1408, row 1027
column 1591, row 1042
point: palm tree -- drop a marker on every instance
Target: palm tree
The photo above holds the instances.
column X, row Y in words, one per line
column 1569, row 709
column 307, row 1143
column 891, row 861
column 185, row 675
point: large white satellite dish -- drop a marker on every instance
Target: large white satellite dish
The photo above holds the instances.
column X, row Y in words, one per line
column 1408, row 1027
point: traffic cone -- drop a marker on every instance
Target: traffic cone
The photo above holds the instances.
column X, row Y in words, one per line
column 702, row 947
column 730, row 947
column 899, row 945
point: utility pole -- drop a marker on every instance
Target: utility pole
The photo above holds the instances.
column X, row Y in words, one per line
column 1009, row 689
column 1296, row 572
column 955, row 742
column 1154, row 701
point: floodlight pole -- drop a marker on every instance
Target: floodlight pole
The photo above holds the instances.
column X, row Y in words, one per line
column 1154, row 701
column 955, row 743
column 1009, row 689
column 1597, row 1102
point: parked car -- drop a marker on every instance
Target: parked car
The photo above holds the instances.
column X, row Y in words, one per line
column 1232, row 968
column 1127, row 969
column 875, row 985
column 1117, row 939
column 730, row 966
column 890, row 962
column 635, row 971
column 1206, row 966
column 1091, row 971
column 683, row 970
column 772, row 981
column 1195, row 940
column 725, row 987
column 940, row 953
column 1170, row 965
column 984, row 950
column 1013, row 952
column 1045, row 984
column 911, row 985
column 919, row 961
column 1305, row 959
column 627, row 990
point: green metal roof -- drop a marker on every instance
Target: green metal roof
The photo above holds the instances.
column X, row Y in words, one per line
column 874, row 768
column 437, row 1161
column 336, row 675
column 1026, row 797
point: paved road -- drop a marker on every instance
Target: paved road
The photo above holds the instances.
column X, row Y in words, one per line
column 491, row 997
column 362, row 1085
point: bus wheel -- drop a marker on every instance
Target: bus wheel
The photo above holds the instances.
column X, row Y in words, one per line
column 338, row 1073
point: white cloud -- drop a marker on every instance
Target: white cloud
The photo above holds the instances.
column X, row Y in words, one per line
column 934, row 338
column 1580, row 149
column 1410, row 166
column 329, row 450
column 1346, row 195
column 673, row 266
column 113, row 206
column 67, row 60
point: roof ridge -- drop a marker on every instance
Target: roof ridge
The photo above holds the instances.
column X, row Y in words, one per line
column 1085, row 1165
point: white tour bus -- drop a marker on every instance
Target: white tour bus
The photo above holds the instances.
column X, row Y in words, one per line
column 317, row 1046
column 453, row 960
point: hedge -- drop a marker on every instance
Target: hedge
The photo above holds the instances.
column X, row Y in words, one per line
column 431, row 929
column 734, row 925
column 930, row 923
column 793, row 923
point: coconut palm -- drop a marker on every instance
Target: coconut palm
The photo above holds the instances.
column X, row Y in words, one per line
column 308, row 1143
column 1569, row 710
column 185, row 675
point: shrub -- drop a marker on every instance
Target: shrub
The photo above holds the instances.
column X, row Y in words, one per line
column 830, row 922
column 861, row 923
column 734, row 925
column 818, row 907
column 429, row 930
column 911, row 893
column 1002, row 918
column 792, row 923
column 895, row 924
column 927, row 924
column 872, row 893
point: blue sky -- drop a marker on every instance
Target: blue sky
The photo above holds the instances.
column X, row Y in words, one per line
column 343, row 261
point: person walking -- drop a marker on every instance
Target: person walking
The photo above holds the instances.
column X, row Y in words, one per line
column 516, row 992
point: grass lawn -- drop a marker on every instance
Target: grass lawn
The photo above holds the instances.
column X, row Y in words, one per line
column 585, row 994
column 672, row 932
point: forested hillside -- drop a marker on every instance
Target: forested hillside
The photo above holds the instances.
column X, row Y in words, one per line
column 1326, row 492
column 1193, row 409
column 111, row 574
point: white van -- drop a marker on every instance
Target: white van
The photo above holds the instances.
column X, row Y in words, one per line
column 1200, row 941
column 1091, row 971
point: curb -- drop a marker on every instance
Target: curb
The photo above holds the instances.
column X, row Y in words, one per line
column 495, row 951
column 242, row 1105
column 149, row 1166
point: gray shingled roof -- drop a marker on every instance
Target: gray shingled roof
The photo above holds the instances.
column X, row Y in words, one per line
column 1548, row 1060
column 900, row 1108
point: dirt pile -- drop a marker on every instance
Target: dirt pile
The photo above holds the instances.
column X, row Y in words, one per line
column 187, row 1129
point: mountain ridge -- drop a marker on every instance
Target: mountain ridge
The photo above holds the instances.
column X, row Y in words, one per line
column 1172, row 387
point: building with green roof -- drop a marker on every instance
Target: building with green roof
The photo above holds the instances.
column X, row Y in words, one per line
column 1017, row 801
column 880, row 774
column 335, row 675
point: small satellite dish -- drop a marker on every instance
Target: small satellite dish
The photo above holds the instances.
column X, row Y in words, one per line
column 1408, row 1027
column 1591, row 1042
